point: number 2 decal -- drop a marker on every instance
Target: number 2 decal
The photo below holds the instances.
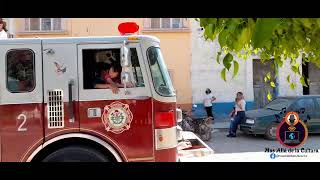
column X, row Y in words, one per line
column 24, row 120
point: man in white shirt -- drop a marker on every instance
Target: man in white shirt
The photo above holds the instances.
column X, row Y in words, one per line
column 240, row 109
column 241, row 105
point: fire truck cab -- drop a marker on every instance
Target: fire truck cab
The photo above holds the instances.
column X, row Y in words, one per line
column 57, row 102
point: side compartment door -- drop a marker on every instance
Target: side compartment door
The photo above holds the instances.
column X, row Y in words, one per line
column 124, row 119
column 60, row 89
column 21, row 109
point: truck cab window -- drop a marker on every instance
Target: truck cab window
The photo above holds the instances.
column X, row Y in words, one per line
column 160, row 75
column 101, row 67
column 136, row 69
column 20, row 70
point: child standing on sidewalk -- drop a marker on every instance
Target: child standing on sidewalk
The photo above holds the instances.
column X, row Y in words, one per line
column 207, row 102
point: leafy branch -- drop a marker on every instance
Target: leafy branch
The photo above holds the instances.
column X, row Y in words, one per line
column 280, row 39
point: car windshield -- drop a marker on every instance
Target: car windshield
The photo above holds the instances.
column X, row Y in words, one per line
column 279, row 103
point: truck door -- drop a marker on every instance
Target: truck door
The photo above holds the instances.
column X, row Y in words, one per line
column 21, row 125
column 124, row 119
column 60, row 88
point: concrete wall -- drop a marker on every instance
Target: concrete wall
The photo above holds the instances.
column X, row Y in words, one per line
column 177, row 54
column 175, row 45
column 205, row 73
column 190, row 59
column 284, row 86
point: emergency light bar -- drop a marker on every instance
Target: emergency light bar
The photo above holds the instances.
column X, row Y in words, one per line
column 128, row 28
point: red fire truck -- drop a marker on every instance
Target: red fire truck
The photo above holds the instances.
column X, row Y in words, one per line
column 51, row 109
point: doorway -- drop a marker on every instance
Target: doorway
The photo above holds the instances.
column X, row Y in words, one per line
column 261, row 88
column 311, row 72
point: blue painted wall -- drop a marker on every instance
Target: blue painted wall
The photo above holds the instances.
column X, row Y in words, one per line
column 220, row 110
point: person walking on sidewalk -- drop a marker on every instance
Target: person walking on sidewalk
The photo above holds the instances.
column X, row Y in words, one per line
column 209, row 98
column 240, row 114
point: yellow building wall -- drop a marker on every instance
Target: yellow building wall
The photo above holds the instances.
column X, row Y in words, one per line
column 176, row 50
column 176, row 46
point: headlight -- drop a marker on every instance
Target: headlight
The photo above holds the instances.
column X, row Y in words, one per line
column 250, row 121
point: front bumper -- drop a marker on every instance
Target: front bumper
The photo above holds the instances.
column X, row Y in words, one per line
column 251, row 129
column 247, row 129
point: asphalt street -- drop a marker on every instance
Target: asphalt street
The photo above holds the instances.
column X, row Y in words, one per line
column 247, row 143
column 247, row 148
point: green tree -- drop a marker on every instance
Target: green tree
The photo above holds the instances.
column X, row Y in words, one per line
column 280, row 39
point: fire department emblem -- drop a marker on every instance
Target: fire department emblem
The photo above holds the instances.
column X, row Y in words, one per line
column 117, row 117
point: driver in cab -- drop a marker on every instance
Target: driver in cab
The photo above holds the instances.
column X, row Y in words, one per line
column 110, row 79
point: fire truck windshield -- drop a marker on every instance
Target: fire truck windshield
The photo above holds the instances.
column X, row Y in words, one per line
column 160, row 75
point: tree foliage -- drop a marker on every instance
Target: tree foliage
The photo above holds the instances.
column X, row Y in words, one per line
column 280, row 39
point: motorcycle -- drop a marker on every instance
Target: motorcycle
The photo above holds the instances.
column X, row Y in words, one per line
column 187, row 122
column 201, row 127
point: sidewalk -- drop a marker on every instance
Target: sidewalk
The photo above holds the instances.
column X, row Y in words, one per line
column 221, row 123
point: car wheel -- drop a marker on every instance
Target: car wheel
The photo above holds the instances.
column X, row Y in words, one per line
column 76, row 153
column 271, row 132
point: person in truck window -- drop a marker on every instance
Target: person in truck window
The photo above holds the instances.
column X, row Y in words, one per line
column 3, row 30
column 110, row 79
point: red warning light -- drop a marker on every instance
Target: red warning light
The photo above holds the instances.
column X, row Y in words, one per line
column 128, row 28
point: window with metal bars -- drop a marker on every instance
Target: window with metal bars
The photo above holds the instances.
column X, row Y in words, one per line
column 43, row 24
column 166, row 23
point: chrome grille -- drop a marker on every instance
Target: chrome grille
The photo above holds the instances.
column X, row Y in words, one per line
column 55, row 109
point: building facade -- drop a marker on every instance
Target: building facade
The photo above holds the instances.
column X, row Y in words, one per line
column 205, row 73
column 174, row 35
column 190, row 59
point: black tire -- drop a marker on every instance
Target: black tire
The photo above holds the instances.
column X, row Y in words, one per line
column 76, row 153
column 271, row 132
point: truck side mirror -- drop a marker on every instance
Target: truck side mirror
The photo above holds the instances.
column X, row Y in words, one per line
column 124, row 55
column 302, row 110
column 125, row 77
column 125, row 80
